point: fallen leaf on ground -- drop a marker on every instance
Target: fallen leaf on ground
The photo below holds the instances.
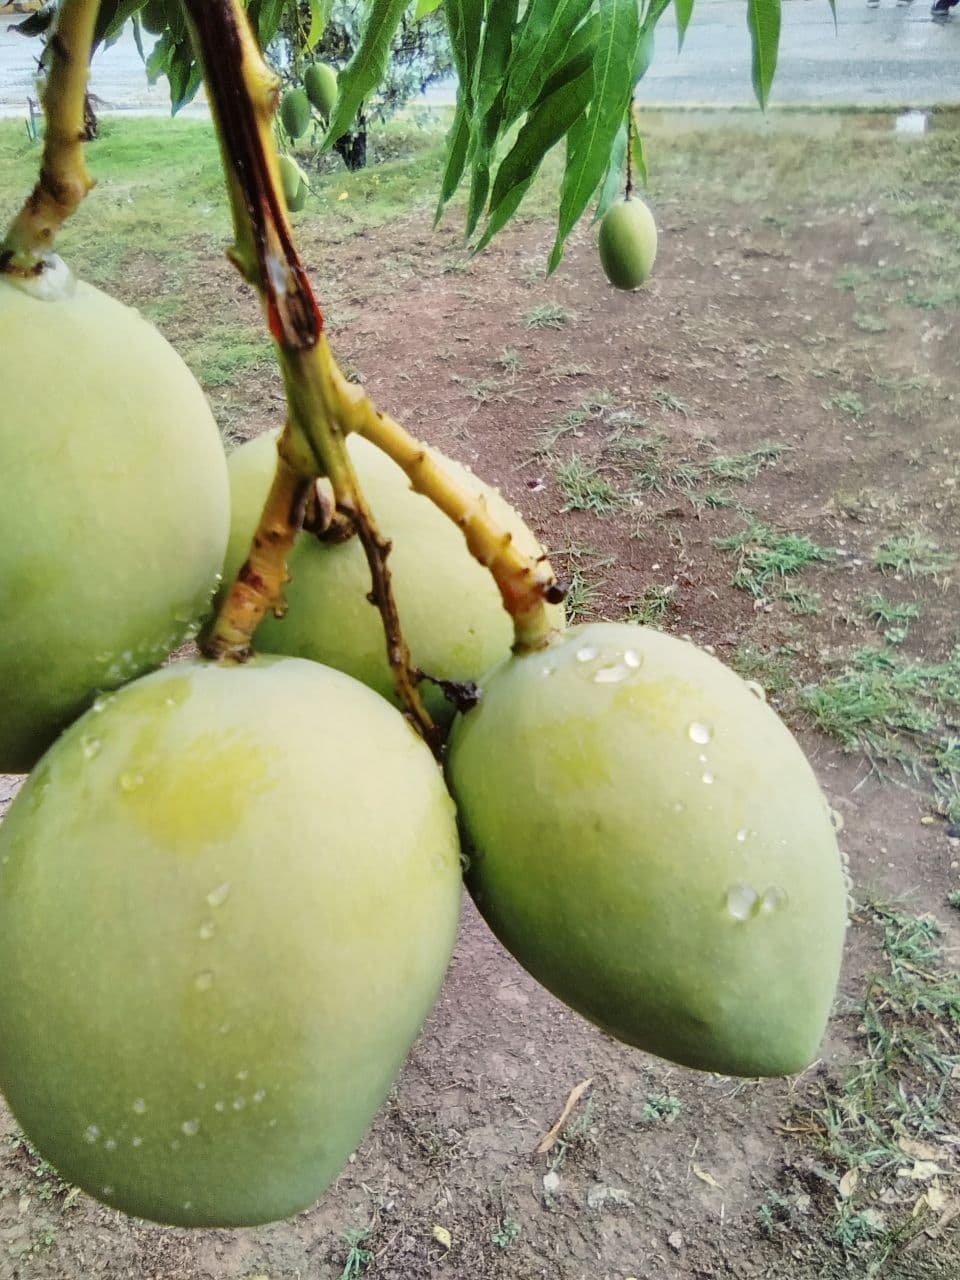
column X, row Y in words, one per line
column 576, row 1093
column 708, row 1178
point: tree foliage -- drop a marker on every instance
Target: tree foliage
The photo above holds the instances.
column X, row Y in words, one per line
column 532, row 74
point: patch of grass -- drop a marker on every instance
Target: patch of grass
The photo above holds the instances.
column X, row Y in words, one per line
column 847, row 402
column 549, row 315
column 887, row 1109
column 585, row 488
column 224, row 352
column 772, row 669
column 654, row 606
column 892, row 618
column 673, row 404
column 509, row 360
column 914, row 555
column 661, row 1108
column 953, row 899
column 866, row 322
column 358, row 1256
column 40, row 1178
column 806, row 604
column 583, row 572
column 767, row 557
column 746, row 466
column 506, row 1233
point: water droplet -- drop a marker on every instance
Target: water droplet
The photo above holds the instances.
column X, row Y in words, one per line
column 273, row 1123
column 772, row 900
column 708, row 778
column 239, row 1103
column 207, row 930
column 90, row 747
column 204, row 980
column 188, row 1205
column 224, row 1028
column 547, row 671
column 106, row 1191
column 131, row 780
column 139, row 1106
column 702, row 758
column 700, row 733
column 678, row 807
column 757, row 690
column 201, row 1084
column 243, row 1075
column 632, row 659
column 611, row 674
column 91, row 1133
column 175, row 1145
column 191, row 1128
column 219, row 1105
column 217, row 897
column 100, row 704
column 111, row 1144
column 588, row 653
column 741, row 835
column 741, row 900
column 836, row 820
column 260, row 1095
column 137, row 1142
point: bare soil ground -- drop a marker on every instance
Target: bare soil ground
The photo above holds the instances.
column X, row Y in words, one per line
column 788, row 375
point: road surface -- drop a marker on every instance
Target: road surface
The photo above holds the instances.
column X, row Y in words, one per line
column 889, row 55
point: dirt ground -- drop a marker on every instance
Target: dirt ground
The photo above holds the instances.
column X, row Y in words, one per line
column 778, row 371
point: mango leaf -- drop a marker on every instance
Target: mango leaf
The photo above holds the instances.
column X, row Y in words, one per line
column 543, row 129
column 458, row 140
column 367, row 67
column 684, row 12
column 112, row 16
column 763, row 20
column 591, row 137
column 488, row 95
column 546, row 31
column 613, row 183
column 465, row 24
column 319, row 14
column 425, row 8
column 175, row 60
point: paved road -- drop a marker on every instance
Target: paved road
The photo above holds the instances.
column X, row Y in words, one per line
column 891, row 54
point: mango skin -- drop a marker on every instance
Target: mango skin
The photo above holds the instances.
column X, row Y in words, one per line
column 295, row 112
column 227, row 903
column 114, row 507
column 450, row 608
column 320, row 83
column 685, row 895
column 628, row 243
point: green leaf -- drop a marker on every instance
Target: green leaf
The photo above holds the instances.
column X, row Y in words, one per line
column 763, row 20
column 544, row 128
column 112, row 17
column 465, row 23
column 833, row 10
column 367, row 67
column 546, row 31
column 458, row 140
column 591, row 137
column 488, row 91
column 319, row 14
column 684, row 12
column 639, row 158
column 425, row 8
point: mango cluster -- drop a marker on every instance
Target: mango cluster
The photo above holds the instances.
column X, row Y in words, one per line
column 229, row 893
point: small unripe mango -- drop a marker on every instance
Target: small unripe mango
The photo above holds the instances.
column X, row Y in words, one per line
column 228, row 898
column 295, row 112
column 628, row 243
column 296, row 187
column 320, row 83
column 647, row 838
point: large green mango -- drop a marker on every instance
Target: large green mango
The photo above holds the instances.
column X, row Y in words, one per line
column 320, row 83
column 227, row 901
column 649, row 841
column 628, row 243
column 449, row 605
column 114, row 505
column 295, row 112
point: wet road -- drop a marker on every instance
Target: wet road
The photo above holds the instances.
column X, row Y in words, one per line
column 890, row 54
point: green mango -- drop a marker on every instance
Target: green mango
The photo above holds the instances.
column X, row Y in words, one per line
column 320, row 83
column 228, row 897
column 296, row 187
column 295, row 112
column 628, row 243
column 450, row 608
column 648, row 840
column 114, row 505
